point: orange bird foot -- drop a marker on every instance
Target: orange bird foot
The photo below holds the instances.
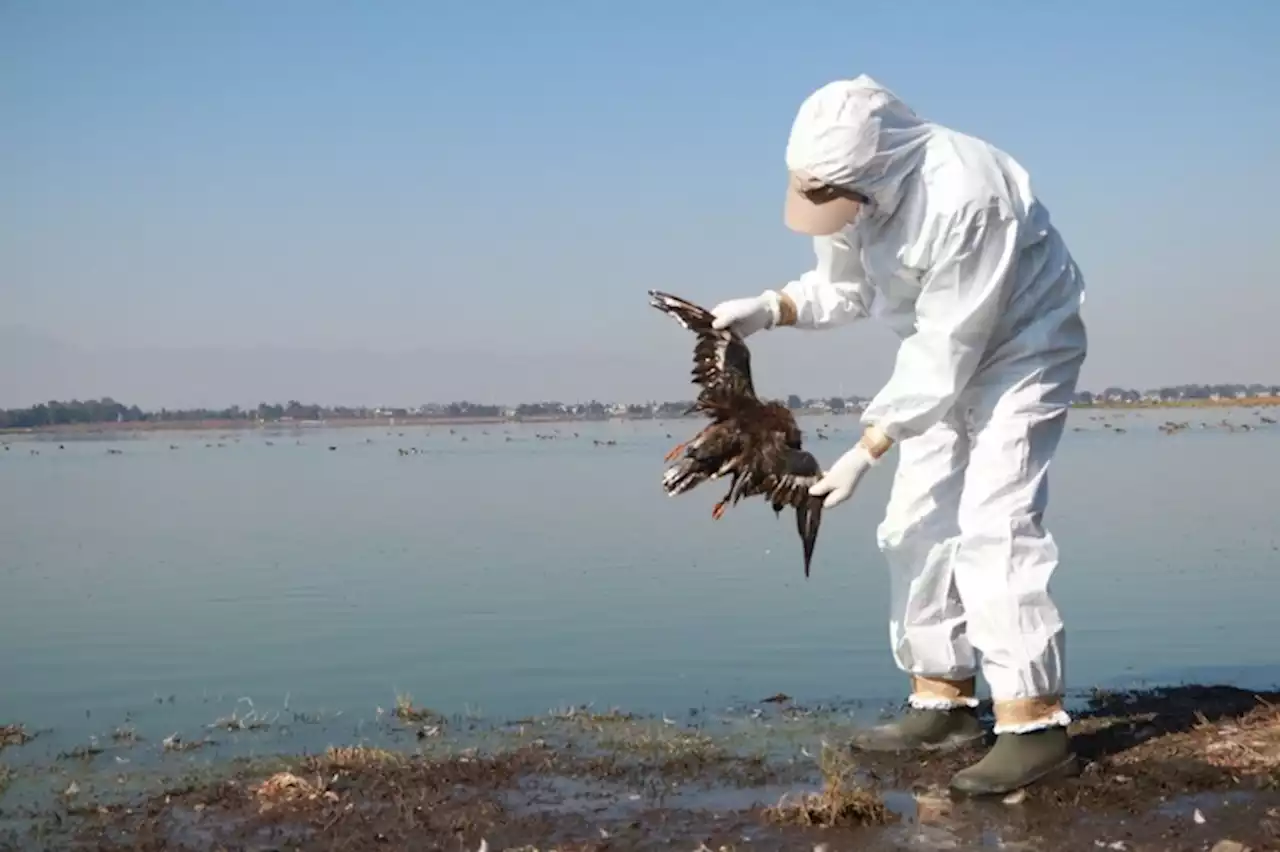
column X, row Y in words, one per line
column 718, row 510
column 675, row 451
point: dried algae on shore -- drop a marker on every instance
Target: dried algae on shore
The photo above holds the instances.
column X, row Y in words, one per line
column 1166, row 770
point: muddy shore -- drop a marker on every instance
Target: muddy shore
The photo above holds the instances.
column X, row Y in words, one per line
column 1186, row 768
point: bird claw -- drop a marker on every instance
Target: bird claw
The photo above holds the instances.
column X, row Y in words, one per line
column 718, row 510
column 675, row 452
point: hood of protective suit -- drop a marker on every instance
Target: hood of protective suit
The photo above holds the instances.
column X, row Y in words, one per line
column 858, row 135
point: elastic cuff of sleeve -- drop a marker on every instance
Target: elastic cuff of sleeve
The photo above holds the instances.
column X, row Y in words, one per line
column 871, row 458
column 893, row 431
column 782, row 307
column 787, row 313
column 876, row 441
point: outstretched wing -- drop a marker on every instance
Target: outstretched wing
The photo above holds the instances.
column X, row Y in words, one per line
column 790, row 473
column 802, row 472
column 782, row 475
column 721, row 361
column 792, row 476
column 771, row 469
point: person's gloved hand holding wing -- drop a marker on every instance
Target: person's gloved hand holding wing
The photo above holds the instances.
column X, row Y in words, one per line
column 770, row 309
column 755, row 313
column 838, row 483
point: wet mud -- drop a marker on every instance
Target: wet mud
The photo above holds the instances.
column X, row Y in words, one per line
column 1187, row 768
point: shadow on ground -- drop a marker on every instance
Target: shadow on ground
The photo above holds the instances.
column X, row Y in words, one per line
column 1116, row 722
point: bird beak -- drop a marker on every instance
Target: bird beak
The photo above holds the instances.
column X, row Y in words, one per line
column 808, row 519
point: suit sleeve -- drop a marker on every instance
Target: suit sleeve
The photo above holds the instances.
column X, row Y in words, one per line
column 835, row 292
column 960, row 303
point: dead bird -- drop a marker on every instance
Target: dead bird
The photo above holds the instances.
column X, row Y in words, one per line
column 755, row 442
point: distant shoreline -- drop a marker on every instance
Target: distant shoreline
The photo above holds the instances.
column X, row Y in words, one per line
column 409, row 421
column 281, row 425
column 1246, row 402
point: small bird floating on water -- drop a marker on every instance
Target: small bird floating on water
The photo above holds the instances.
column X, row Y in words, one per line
column 755, row 442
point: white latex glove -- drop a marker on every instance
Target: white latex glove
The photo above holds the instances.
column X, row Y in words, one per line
column 839, row 482
column 749, row 315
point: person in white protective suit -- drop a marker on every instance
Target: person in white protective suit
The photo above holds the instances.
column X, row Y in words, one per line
column 939, row 235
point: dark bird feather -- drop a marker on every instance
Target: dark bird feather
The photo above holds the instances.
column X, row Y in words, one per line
column 755, row 443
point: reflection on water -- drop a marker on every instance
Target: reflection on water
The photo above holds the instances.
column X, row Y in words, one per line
column 509, row 573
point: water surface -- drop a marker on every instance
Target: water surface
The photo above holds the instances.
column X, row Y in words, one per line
column 498, row 573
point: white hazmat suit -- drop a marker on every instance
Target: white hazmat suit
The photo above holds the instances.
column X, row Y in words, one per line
column 952, row 250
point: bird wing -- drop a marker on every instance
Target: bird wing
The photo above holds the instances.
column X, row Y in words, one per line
column 752, row 443
column 783, row 475
column 721, row 360
column 794, row 475
column 771, row 469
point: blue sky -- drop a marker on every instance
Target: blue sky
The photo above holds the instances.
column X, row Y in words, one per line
column 215, row 202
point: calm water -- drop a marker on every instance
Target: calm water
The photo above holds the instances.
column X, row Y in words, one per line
column 513, row 576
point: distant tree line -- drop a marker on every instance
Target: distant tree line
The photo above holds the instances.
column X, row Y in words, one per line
column 69, row 413
column 1176, row 393
column 107, row 410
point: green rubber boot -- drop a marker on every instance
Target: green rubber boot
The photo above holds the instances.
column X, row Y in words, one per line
column 922, row 730
column 1018, row 760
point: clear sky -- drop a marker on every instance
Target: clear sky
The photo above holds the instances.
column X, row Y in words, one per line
column 396, row 202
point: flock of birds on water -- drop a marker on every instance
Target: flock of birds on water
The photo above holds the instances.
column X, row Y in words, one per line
column 1173, row 427
column 223, row 441
column 821, row 433
column 751, row 442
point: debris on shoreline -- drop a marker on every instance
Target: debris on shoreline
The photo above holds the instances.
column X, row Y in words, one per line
column 842, row 801
column 286, row 788
column 406, row 711
column 14, row 735
column 1187, row 768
